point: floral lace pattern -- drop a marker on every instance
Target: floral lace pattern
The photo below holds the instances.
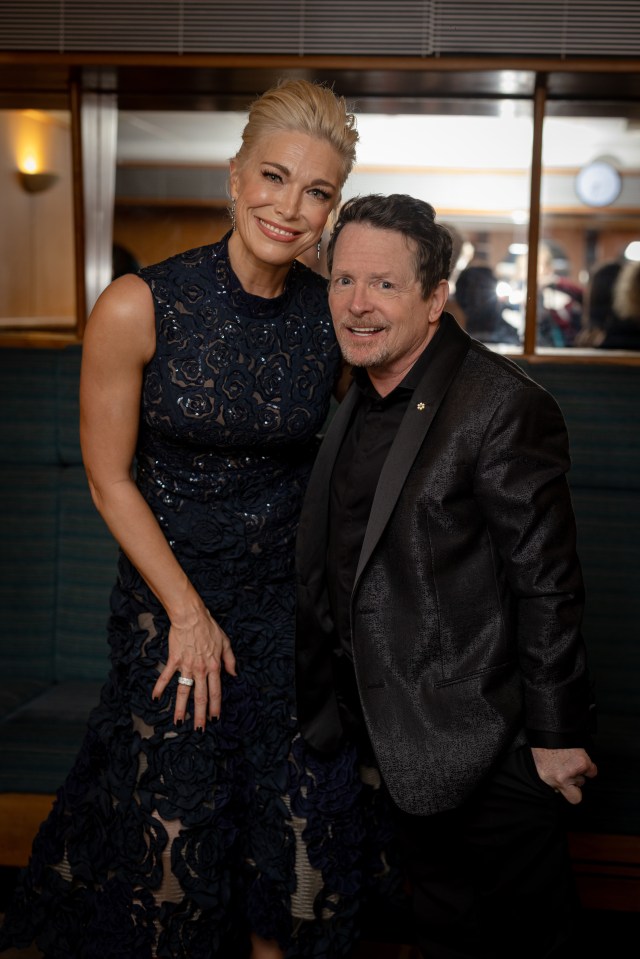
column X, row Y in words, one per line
column 169, row 842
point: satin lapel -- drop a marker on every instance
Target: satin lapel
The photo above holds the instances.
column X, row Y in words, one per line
column 311, row 542
column 412, row 431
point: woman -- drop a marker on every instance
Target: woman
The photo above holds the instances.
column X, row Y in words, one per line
column 193, row 823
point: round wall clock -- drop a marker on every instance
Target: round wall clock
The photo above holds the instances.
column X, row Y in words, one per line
column 598, row 183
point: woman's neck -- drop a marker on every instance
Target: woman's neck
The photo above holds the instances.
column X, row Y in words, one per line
column 256, row 277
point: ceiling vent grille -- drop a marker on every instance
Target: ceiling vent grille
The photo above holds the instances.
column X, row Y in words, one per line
column 422, row 28
column 556, row 28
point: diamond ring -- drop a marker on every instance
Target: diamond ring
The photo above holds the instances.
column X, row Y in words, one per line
column 185, row 681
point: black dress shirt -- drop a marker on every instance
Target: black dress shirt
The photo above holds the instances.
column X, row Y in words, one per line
column 367, row 441
column 374, row 424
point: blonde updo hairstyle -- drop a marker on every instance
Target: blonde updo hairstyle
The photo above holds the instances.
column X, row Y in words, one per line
column 302, row 107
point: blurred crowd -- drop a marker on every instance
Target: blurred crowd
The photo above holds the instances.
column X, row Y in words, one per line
column 603, row 313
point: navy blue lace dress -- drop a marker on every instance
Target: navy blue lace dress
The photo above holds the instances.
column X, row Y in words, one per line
column 170, row 842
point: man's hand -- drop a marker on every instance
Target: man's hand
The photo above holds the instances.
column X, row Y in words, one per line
column 565, row 770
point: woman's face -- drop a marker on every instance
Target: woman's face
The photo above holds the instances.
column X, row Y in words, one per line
column 284, row 190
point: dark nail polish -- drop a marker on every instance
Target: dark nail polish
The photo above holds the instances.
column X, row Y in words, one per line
column 200, row 729
column 179, row 722
column 156, row 699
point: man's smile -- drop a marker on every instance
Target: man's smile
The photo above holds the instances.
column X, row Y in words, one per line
column 365, row 330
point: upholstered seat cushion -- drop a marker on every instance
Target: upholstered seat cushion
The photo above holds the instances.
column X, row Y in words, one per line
column 39, row 740
column 14, row 692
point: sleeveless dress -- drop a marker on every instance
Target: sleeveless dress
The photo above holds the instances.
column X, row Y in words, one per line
column 172, row 842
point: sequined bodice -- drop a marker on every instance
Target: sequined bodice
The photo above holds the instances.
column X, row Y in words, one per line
column 232, row 402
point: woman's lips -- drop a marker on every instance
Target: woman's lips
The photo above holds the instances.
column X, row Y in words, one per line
column 275, row 232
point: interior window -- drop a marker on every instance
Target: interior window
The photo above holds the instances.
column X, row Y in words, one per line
column 589, row 232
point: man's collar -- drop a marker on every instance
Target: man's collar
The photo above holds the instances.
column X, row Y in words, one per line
column 411, row 379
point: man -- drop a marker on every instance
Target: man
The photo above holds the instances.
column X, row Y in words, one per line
column 440, row 597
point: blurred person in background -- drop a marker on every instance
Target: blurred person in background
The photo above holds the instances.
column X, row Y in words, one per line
column 559, row 299
column 476, row 294
column 598, row 312
column 623, row 331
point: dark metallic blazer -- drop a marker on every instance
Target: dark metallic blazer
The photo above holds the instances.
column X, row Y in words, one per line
column 467, row 603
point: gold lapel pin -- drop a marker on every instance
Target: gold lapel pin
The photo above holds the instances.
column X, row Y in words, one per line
column 420, row 406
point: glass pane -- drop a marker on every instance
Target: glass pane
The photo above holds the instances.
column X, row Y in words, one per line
column 472, row 161
column 469, row 159
column 590, row 231
column 171, row 182
column 37, row 269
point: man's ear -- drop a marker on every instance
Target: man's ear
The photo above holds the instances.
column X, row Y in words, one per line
column 439, row 299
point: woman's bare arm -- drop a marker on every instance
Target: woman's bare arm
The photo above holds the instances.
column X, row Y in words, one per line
column 119, row 340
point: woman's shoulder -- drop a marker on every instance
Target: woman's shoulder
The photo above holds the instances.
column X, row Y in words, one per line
column 122, row 319
column 312, row 283
column 308, row 274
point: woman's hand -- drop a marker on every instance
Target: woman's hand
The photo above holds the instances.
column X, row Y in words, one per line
column 198, row 649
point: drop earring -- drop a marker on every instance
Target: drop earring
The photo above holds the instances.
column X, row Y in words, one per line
column 318, row 248
column 233, row 215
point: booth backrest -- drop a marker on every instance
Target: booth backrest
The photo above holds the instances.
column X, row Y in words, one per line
column 58, row 560
column 601, row 404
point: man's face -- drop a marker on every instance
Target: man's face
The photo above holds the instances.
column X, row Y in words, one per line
column 380, row 317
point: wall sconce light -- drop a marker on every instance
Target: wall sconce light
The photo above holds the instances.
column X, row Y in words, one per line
column 36, row 182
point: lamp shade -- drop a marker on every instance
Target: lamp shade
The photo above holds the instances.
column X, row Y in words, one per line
column 37, row 182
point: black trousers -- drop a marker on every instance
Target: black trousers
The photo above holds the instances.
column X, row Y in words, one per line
column 493, row 879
